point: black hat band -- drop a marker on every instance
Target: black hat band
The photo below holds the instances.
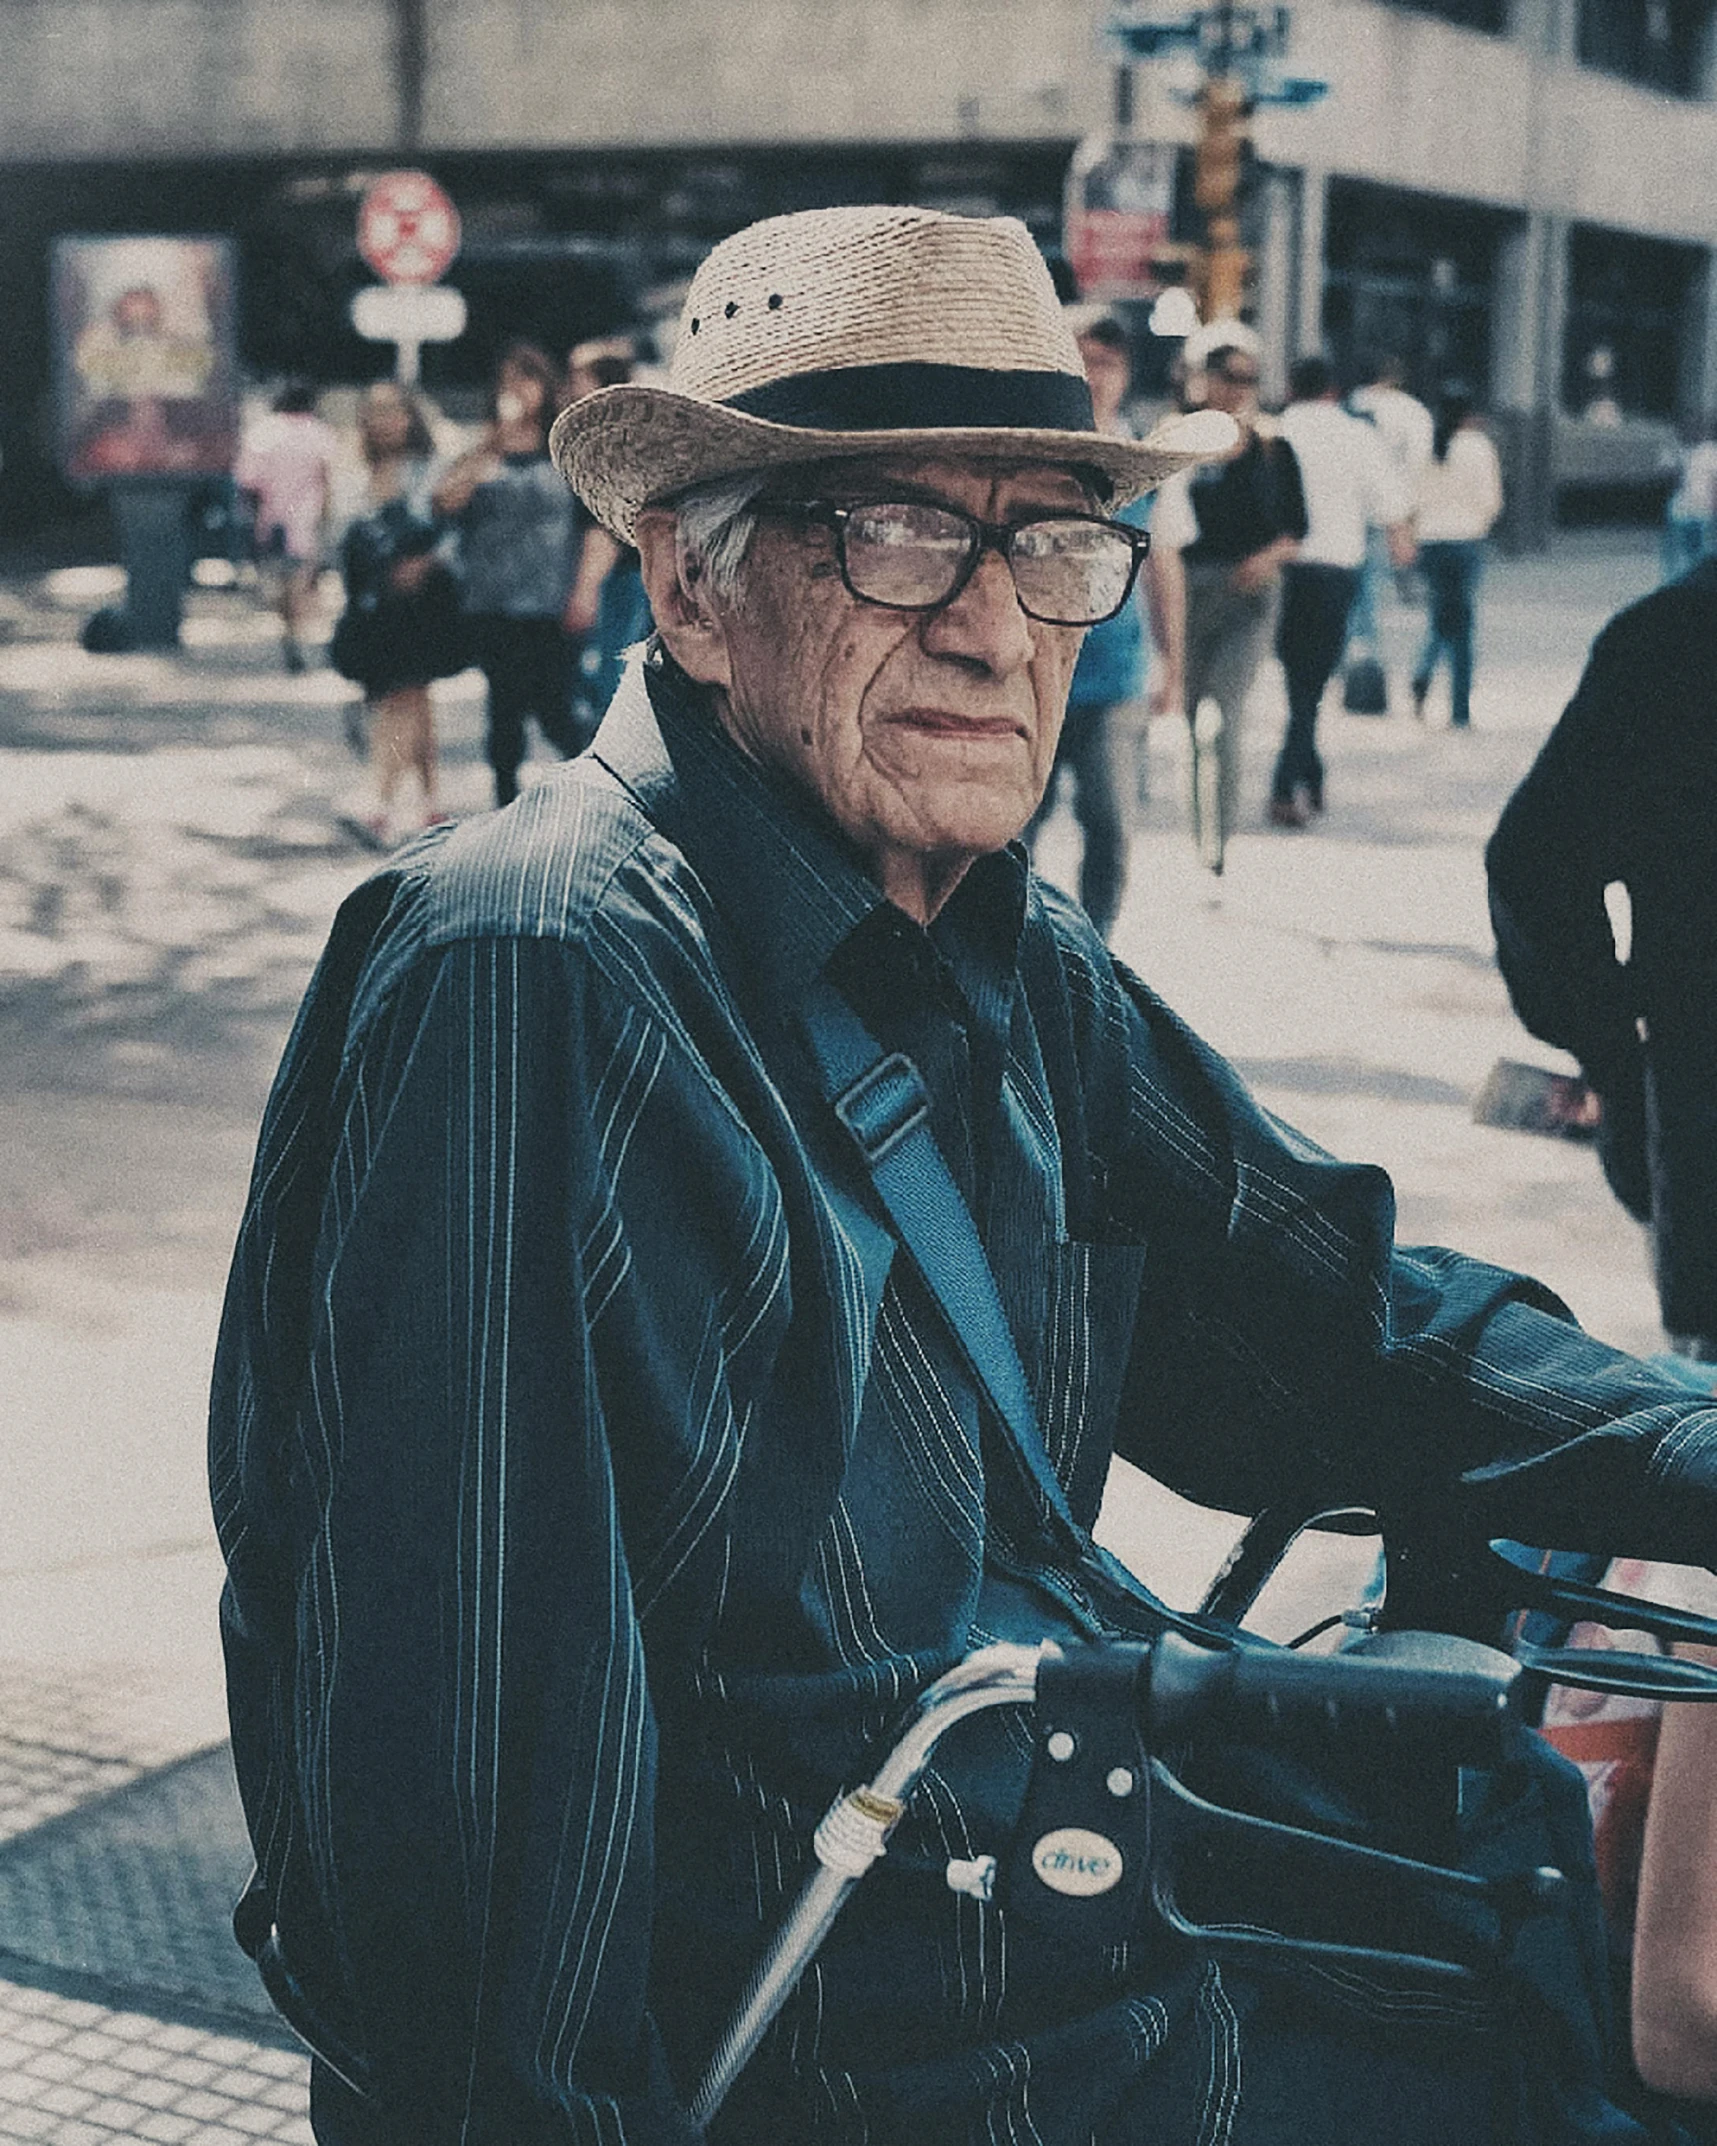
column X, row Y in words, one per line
column 912, row 397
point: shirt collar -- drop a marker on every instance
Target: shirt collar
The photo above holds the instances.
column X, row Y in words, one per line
column 788, row 883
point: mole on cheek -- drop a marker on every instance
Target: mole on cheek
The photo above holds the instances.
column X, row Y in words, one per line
column 804, row 733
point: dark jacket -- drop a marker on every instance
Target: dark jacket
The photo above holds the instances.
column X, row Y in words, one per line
column 1625, row 789
column 596, row 1483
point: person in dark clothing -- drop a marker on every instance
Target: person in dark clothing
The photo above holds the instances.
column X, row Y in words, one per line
column 1236, row 524
column 607, row 612
column 596, row 1473
column 1349, row 489
column 1622, row 793
column 518, row 554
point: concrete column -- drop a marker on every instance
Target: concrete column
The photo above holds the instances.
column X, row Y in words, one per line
column 1308, row 302
column 1698, row 391
column 1546, row 26
column 1275, row 279
column 1527, row 322
column 1517, row 358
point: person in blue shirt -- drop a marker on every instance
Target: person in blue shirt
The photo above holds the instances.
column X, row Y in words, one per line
column 1110, row 673
column 596, row 1473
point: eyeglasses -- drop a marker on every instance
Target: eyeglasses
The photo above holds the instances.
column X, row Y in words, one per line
column 1069, row 569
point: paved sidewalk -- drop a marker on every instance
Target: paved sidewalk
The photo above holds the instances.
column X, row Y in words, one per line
column 170, row 857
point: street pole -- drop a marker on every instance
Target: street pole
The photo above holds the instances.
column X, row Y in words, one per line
column 1239, row 47
column 1223, row 263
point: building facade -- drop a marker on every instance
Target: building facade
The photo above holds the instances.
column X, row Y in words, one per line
column 1519, row 192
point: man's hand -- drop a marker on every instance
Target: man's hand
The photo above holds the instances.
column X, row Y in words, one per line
column 1403, row 548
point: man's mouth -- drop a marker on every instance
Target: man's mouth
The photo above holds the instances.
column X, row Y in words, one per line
column 943, row 723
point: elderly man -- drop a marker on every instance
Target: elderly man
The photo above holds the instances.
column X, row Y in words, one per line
column 598, row 1474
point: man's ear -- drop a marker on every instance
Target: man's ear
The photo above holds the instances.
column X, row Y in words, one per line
column 684, row 617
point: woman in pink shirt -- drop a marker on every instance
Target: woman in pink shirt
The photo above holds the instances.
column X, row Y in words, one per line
column 284, row 464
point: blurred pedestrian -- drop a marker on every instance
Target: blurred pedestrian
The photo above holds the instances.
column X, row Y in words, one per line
column 1690, row 513
column 1623, row 792
column 400, row 627
column 518, row 553
column 1109, row 676
column 608, row 611
column 1235, row 524
column 1458, row 500
column 1350, row 488
column 285, row 468
column 1406, row 428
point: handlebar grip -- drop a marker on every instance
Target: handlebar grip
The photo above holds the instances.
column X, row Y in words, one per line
column 1407, row 1688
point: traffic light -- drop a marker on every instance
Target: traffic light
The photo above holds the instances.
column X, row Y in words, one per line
column 1221, row 147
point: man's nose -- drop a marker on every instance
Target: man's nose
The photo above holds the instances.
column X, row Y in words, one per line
column 984, row 625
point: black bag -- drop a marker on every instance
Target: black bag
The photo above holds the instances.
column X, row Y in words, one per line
column 389, row 636
column 349, row 649
column 1364, row 688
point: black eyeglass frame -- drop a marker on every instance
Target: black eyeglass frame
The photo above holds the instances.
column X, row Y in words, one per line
column 834, row 515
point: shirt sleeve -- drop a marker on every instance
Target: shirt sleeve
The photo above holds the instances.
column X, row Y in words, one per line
column 1482, row 471
column 441, row 1722
column 1550, row 859
column 1289, row 1353
column 1173, row 524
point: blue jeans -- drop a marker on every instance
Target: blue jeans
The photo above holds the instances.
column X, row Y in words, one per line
column 1451, row 573
column 1362, row 620
column 1683, row 542
column 1087, row 752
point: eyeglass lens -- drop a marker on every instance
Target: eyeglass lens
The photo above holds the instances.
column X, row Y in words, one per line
column 909, row 556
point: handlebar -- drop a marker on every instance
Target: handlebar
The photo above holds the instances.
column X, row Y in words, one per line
column 1453, row 1694
column 1450, row 1694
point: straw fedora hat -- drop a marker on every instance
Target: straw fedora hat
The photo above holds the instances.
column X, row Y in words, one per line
column 873, row 331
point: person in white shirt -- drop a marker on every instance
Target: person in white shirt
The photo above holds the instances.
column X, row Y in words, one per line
column 1459, row 498
column 1350, row 486
column 1405, row 427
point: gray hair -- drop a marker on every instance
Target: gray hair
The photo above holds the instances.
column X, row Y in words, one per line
column 714, row 525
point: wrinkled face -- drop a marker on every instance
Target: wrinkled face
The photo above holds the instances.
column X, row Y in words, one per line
column 928, row 736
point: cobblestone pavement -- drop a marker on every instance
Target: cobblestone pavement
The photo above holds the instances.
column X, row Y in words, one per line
column 74, row 2073
column 170, row 857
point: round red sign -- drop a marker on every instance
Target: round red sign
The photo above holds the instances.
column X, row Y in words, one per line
column 408, row 229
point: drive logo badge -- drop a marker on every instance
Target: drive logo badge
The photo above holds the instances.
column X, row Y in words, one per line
column 1071, row 1860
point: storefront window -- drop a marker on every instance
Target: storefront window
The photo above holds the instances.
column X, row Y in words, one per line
column 1665, row 44
column 1627, row 307
column 1409, row 275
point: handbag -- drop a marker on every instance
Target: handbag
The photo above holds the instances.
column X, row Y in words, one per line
column 1364, row 688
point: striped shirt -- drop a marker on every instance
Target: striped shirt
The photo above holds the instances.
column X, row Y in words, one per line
column 596, row 1484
